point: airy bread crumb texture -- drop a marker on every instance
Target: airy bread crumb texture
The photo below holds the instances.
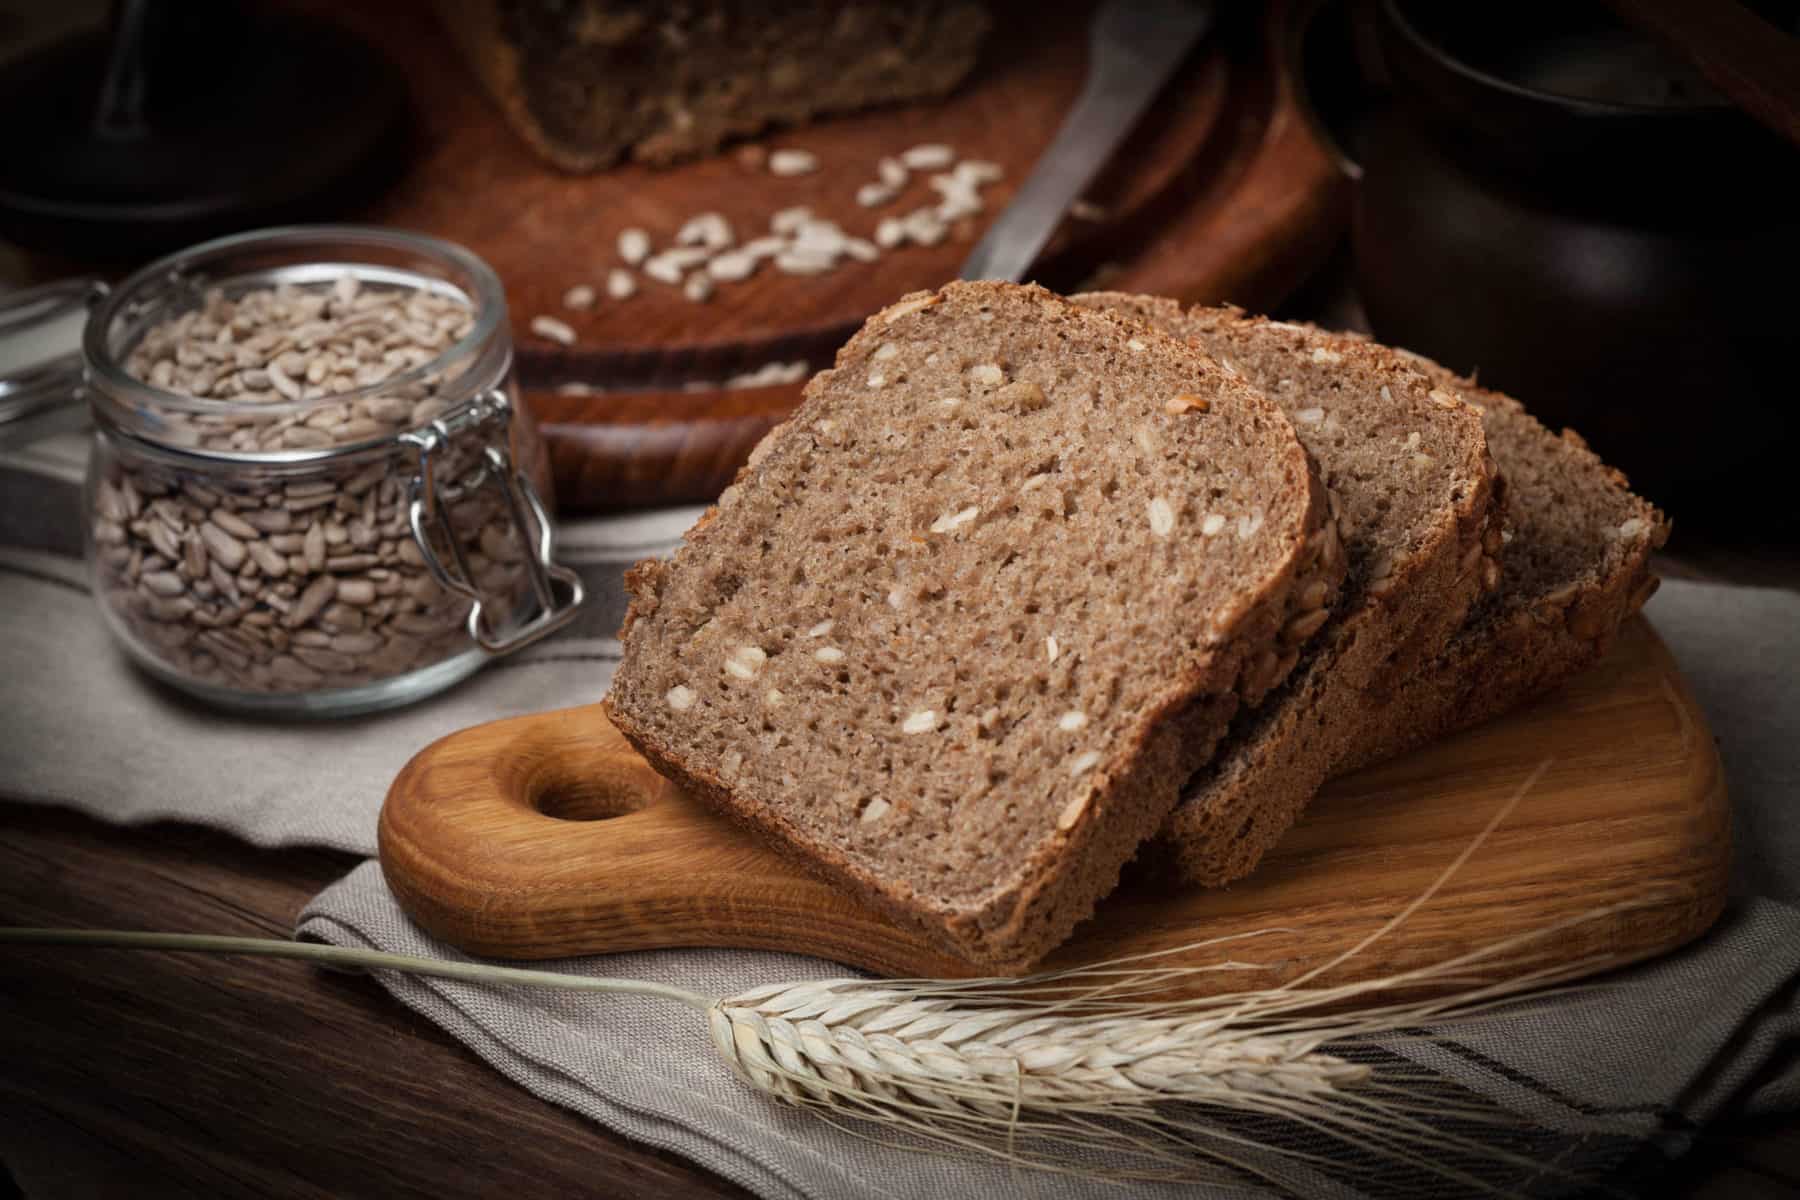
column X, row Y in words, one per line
column 969, row 620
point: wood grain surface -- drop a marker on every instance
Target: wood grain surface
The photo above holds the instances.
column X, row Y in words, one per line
column 1224, row 193
column 136, row 1075
column 546, row 835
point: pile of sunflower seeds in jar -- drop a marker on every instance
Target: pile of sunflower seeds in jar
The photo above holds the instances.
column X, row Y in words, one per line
column 254, row 575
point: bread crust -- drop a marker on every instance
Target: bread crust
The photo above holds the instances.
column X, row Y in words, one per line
column 474, row 27
column 1013, row 925
column 1275, row 758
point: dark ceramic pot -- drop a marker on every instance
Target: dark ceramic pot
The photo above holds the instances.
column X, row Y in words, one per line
column 1550, row 204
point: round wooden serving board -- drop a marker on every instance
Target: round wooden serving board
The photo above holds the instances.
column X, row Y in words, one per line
column 1222, row 193
column 546, row 836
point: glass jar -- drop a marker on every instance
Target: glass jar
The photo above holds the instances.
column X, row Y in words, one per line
column 312, row 488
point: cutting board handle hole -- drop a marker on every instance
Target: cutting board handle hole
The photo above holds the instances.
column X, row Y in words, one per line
column 572, row 799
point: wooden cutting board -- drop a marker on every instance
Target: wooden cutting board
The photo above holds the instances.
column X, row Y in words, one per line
column 1223, row 193
column 546, row 835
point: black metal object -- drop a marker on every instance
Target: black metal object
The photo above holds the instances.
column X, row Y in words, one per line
column 188, row 119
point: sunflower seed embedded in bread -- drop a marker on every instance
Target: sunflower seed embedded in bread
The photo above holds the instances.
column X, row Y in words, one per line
column 922, row 721
column 1302, row 627
column 1162, row 517
column 950, row 522
column 1087, row 760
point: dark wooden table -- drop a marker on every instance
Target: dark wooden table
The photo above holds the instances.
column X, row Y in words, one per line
column 130, row 1074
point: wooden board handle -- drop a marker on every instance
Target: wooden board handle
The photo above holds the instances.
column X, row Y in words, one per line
column 548, row 834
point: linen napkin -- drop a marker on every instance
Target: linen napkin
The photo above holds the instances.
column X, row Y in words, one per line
column 1608, row 1079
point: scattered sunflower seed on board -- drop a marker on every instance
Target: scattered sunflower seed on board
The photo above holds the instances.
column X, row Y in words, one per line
column 303, row 577
column 553, row 330
column 705, row 251
column 792, row 162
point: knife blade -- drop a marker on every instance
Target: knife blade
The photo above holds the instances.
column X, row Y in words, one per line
column 1133, row 48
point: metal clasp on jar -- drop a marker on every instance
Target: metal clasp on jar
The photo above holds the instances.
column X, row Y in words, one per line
column 42, row 397
column 489, row 420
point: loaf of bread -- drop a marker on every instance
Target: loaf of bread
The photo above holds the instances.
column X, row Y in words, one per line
column 1421, row 523
column 590, row 83
column 966, row 624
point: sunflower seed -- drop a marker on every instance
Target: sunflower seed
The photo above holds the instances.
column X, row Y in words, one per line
column 233, row 583
column 634, row 246
column 929, row 157
column 551, row 329
column 793, row 162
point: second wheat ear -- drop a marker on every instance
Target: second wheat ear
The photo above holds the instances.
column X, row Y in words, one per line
column 1043, row 1072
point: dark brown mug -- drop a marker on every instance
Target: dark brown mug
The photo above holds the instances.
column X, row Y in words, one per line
column 1553, row 205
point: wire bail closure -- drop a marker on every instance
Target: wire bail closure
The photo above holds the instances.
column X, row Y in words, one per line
column 427, row 506
column 47, row 396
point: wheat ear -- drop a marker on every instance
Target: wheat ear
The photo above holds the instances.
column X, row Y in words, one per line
column 1044, row 1070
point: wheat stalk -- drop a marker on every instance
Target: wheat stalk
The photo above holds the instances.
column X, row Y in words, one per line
column 1043, row 1071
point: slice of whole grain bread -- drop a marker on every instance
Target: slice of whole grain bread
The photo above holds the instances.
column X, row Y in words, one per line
column 1420, row 509
column 1578, row 546
column 964, row 626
